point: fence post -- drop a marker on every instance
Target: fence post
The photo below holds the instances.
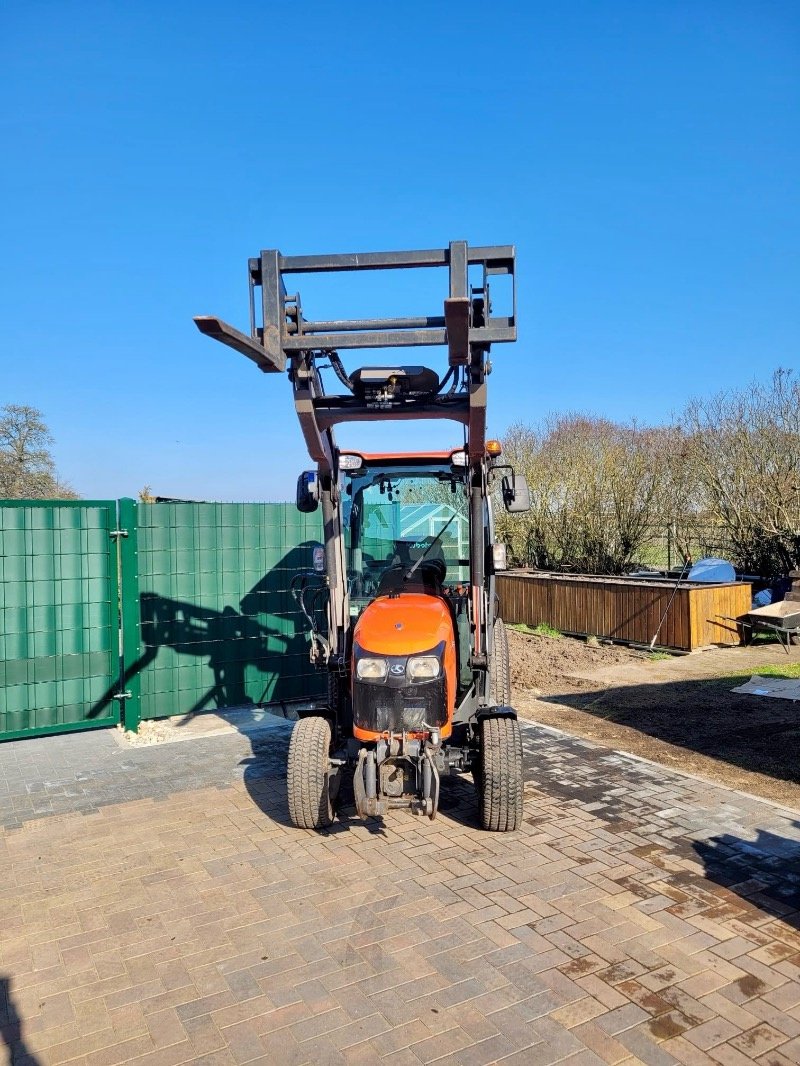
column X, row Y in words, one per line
column 669, row 547
column 130, row 615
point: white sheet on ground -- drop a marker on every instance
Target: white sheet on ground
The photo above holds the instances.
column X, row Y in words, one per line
column 781, row 688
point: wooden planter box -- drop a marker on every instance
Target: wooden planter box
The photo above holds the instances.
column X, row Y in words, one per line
column 626, row 608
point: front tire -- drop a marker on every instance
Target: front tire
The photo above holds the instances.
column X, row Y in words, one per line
column 499, row 778
column 308, row 776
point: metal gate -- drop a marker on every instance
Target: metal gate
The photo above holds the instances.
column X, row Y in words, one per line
column 217, row 624
column 59, row 616
column 113, row 609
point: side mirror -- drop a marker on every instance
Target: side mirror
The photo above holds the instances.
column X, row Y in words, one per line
column 516, row 496
column 307, row 492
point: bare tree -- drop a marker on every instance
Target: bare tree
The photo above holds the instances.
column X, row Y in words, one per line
column 27, row 469
column 725, row 478
column 743, row 450
column 596, row 490
column 528, row 535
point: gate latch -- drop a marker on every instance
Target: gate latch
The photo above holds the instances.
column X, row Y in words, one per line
column 122, row 696
column 114, row 533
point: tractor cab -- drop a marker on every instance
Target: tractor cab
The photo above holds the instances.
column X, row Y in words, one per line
column 406, row 532
column 404, row 521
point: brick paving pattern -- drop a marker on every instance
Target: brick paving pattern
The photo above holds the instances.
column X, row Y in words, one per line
column 157, row 908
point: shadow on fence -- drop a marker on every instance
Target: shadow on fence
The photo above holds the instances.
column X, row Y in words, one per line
column 231, row 639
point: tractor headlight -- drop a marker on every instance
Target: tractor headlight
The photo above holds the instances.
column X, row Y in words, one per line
column 422, row 668
column 371, row 669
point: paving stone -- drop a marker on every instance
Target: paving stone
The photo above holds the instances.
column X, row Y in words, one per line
column 158, row 908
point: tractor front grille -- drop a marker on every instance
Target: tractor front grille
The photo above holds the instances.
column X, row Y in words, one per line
column 382, row 708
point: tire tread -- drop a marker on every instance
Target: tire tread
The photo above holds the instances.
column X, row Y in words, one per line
column 500, row 784
column 310, row 805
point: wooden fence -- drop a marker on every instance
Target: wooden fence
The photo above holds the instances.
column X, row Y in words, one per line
column 626, row 609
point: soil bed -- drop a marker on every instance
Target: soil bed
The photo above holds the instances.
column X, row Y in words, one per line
column 679, row 711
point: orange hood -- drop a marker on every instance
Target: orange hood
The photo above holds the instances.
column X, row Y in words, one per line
column 407, row 624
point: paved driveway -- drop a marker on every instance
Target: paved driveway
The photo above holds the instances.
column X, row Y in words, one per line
column 156, row 907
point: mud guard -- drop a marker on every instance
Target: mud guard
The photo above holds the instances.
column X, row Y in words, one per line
column 495, row 712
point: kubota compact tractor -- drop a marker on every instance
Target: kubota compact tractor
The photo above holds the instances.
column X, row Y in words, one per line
column 401, row 604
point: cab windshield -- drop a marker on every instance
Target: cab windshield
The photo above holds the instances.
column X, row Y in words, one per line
column 399, row 516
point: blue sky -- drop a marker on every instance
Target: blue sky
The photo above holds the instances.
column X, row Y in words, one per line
column 642, row 156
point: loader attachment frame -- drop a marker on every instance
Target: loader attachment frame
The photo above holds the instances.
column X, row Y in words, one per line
column 281, row 338
column 477, row 732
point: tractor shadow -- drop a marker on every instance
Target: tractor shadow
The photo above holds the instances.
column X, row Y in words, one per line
column 254, row 652
column 704, row 716
column 265, row 780
column 765, row 872
column 267, row 789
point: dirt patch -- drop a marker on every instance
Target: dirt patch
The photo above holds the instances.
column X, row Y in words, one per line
column 539, row 665
column 679, row 712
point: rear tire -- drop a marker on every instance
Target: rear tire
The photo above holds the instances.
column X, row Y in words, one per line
column 307, row 776
column 500, row 677
column 499, row 777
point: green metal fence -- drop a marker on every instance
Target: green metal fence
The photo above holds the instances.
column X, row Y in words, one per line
column 219, row 626
column 196, row 597
column 59, row 621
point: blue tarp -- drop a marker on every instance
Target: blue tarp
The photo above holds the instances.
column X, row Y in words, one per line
column 714, row 571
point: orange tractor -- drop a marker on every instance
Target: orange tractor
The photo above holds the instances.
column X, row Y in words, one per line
column 401, row 604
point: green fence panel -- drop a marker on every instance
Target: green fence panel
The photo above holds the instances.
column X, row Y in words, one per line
column 218, row 624
column 59, row 616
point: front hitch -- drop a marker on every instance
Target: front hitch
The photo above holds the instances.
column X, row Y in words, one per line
column 399, row 772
